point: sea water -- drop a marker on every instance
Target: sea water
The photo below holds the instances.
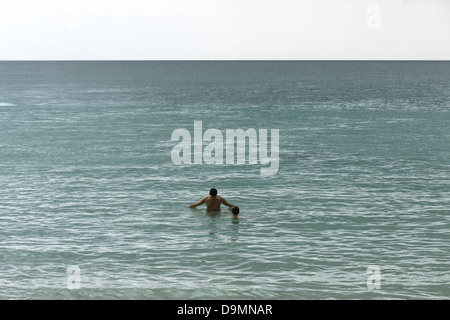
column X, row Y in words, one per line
column 93, row 207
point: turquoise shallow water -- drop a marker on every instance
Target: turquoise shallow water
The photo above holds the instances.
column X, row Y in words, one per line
column 87, row 180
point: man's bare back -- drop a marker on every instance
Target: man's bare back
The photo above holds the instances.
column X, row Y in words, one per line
column 212, row 201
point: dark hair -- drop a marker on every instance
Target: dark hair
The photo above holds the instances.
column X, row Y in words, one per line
column 235, row 210
column 213, row 192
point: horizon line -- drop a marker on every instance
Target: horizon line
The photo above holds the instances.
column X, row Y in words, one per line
column 224, row 60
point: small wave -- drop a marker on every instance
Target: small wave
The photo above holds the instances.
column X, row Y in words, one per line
column 5, row 104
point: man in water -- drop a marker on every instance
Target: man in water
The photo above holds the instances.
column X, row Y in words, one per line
column 212, row 201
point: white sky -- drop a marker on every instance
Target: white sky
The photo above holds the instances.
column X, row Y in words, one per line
column 224, row 29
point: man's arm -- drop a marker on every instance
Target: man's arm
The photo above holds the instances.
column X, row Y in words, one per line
column 198, row 203
column 225, row 202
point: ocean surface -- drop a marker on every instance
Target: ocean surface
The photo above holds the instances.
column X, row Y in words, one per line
column 93, row 207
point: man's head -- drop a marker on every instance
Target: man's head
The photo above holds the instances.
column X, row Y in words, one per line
column 213, row 192
column 235, row 211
